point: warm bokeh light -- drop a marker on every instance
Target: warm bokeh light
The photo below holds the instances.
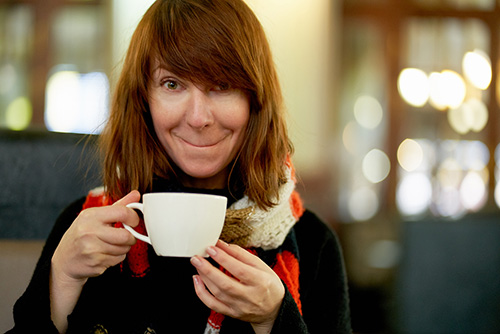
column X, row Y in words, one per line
column 436, row 99
column 61, row 101
column 410, row 155
column 472, row 115
column 18, row 114
column 349, row 137
column 76, row 102
column 449, row 173
column 376, row 166
column 447, row 89
column 477, row 69
column 413, row 86
column 451, row 184
column 414, row 194
column 368, row 111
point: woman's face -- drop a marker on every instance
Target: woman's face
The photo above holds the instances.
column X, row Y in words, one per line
column 201, row 128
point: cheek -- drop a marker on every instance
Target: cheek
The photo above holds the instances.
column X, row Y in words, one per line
column 161, row 115
column 240, row 116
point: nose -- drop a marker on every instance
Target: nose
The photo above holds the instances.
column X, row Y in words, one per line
column 199, row 114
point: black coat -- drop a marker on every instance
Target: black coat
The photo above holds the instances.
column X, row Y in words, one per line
column 164, row 301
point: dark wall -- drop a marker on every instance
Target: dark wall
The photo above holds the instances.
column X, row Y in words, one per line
column 449, row 279
column 40, row 174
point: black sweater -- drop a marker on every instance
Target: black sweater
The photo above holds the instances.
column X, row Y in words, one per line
column 165, row 301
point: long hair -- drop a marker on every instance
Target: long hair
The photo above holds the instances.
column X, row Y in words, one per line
column 206, row 41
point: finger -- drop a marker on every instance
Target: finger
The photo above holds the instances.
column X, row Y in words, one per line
column 116, row 236
column 208, row 299
column 110, row 215
column 131, row 197
column 241, row 254
column 217, row 281
column 115, row 250
column 226, row 289
column 246, row 272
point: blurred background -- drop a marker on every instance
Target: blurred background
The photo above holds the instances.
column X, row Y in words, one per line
column 394, row 112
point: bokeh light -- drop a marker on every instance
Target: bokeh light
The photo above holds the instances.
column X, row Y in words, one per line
column 414, row 194
column 18, row 114
column 376, row 166
column 413, row 86
column 472, row 115
column 477, row 69
column 473, row 191
column 447, row 203
column 384, row 254
column 76, row 102
column 474, row 155
column 349, row 137
column 497, row 194
column 449, row 173
column 436, row 99
column 363, row 204
column 447, row 89
column 368, row 111
column 410, row 155
column 61, row 101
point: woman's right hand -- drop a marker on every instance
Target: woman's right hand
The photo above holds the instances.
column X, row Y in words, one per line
column 87, row 249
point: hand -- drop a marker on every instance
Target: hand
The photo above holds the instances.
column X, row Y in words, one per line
column 87, row 249
column 254, row 294
column 92, row 244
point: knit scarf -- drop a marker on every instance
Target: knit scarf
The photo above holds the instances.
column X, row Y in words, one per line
column 265, row 233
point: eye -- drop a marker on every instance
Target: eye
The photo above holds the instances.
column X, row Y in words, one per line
column 222, row 86
column 171, row 84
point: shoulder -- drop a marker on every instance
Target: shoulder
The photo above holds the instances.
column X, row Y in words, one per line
column 319, row 247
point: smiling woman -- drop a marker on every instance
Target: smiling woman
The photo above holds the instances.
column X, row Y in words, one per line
column 197, row 109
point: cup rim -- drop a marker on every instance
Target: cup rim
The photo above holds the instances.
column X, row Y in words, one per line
column 183, row 194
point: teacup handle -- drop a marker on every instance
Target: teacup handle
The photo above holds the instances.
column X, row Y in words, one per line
column 138, row 206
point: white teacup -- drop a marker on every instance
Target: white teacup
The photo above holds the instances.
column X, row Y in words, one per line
column 181, row 224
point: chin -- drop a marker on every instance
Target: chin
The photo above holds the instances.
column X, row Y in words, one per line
column 205, row 177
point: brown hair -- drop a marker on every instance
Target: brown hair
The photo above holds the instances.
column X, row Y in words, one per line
column 207, row 41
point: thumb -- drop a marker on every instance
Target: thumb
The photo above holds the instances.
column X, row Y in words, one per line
column 131, row 197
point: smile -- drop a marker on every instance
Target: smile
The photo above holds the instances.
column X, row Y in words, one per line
column 201, row 145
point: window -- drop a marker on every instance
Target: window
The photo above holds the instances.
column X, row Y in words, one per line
column 430, row 69
column 54, row 60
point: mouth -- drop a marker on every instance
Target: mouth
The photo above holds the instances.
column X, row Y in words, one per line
column 201, row 144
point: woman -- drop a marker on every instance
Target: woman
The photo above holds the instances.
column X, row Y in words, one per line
column 197, row 108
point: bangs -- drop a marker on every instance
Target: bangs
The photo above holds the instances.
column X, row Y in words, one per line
column 193, row 43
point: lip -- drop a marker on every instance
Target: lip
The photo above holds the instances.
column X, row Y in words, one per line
column 200, row 145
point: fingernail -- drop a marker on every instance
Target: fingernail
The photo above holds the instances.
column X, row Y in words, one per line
column 195, row 262
column 196, row 280
column 223, row 242
column 211, row 251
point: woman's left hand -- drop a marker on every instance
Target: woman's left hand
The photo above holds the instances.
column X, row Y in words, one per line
column 254, row 294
